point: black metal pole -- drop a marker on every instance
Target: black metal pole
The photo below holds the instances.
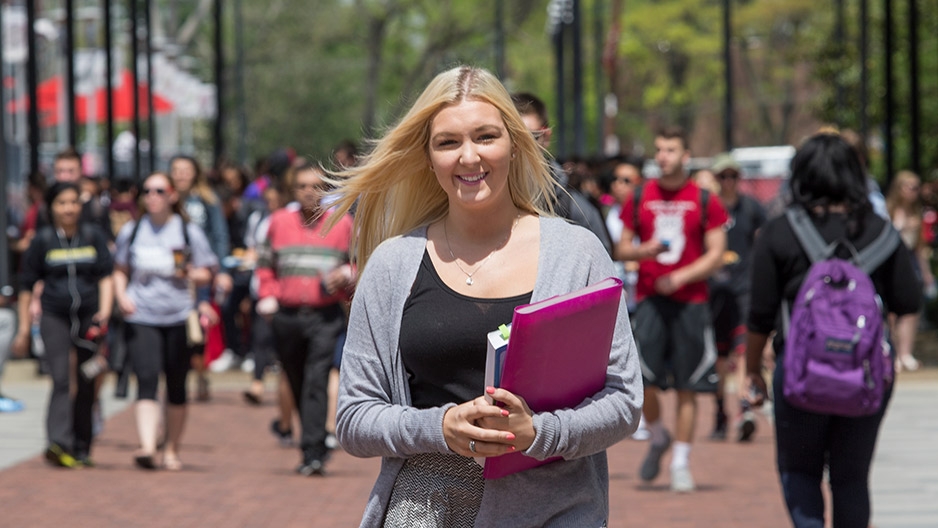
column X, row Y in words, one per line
column 598, row 84
column 864, row 70
column 915, row 126
column 109, row 90
column 500, row 39
column 70, row 72
column 135, row 92
column 239, row 80
column 32, row 86
column 839, row 38
column 887, row 79
column 560, row 125
column 219, row 86
column 727, row 76
column 151, row 126
column 579, row 140
column 6, row 289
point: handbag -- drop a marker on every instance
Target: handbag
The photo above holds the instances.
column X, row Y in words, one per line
column 194, row 333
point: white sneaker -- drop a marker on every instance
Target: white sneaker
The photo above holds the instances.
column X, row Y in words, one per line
column 247, row 365
column 681, row 480
column 642, row 433
column 222, row 362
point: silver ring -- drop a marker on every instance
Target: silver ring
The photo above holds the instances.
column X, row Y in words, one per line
column 472, row 446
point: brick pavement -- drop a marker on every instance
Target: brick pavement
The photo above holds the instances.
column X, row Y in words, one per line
column 237, row 475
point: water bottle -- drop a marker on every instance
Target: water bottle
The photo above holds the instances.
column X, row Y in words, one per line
column 39, row 348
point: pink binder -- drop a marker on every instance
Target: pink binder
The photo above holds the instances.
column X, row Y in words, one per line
column 557, row 356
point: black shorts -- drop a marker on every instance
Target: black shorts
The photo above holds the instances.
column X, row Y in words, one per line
column 729, row 329
column 675, row 344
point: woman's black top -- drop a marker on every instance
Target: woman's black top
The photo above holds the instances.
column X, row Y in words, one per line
column 443, row 339
column 779, row 266
column 69, row 268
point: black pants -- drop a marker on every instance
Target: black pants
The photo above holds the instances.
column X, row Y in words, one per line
column 241, row 290
column 262, row 345
column 305, row 340
column 159, row 349
column 806, row 442
column 68, row 422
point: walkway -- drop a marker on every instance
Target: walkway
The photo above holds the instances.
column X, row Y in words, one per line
column 237, row 475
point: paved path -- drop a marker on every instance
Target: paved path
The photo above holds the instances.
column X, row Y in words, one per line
column 237, row 475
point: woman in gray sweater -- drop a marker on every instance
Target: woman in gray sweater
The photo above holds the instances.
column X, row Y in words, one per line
column 453, row 232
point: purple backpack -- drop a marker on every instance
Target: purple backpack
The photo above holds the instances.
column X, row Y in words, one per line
column 837, row 356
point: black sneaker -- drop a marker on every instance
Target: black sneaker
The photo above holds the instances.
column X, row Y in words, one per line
column 284, row 437
column 747, row 427
column 310, row 467
column 313, row 463
column 84, row 461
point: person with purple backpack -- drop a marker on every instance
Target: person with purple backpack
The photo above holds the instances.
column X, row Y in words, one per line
column 829, row 246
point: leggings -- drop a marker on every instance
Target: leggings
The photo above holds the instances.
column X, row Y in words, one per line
column 159, row 349
column 807, row 442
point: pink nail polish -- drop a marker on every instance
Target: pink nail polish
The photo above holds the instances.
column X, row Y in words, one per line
column 505, row 413
column 490, row 390
column 511, row 436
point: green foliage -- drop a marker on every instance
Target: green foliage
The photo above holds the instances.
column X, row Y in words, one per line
column 319, row 71
column 842, row 64
column 671, row 54
column 307, row 63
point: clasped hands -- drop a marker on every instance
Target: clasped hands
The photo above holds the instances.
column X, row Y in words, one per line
column 478, row 428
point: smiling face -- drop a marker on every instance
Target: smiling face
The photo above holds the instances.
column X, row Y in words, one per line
column 470, row 152
column 183, row 174
column 158, row 194
column 66, row 208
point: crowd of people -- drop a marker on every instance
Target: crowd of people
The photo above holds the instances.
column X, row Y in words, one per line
column 391, row 264
column 157, row 278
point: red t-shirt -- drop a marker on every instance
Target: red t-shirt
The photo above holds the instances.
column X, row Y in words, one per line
column 674, row 217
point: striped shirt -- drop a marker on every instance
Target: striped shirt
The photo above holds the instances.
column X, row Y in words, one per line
column 297, row 255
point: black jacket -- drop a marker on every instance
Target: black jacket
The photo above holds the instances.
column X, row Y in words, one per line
column 70, row 269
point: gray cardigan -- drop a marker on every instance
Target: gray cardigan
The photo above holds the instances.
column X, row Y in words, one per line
column 375, row 417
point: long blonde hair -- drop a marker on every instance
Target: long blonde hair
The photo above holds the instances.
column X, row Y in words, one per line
column 894, row 196
column 394, row 188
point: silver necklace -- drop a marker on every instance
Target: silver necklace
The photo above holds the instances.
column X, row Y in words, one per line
column 469, row 275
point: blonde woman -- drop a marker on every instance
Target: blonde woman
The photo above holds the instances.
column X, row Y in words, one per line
column 904, row 203
column 452, row 234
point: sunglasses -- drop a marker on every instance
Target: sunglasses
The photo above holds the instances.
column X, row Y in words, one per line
column 727, row 176
column 158, row 190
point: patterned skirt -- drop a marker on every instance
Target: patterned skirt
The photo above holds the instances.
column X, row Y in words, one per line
column 436, row 490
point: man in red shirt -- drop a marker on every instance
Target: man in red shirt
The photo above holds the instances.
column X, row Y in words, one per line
column 303, row 273
column 682, row 240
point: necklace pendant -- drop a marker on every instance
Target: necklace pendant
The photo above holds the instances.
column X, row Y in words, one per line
column 469, row 281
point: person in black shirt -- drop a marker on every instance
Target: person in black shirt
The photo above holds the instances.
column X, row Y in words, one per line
column 828, row 182
column 73, row 261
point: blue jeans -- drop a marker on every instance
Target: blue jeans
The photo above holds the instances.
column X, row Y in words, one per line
column 807, row 442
